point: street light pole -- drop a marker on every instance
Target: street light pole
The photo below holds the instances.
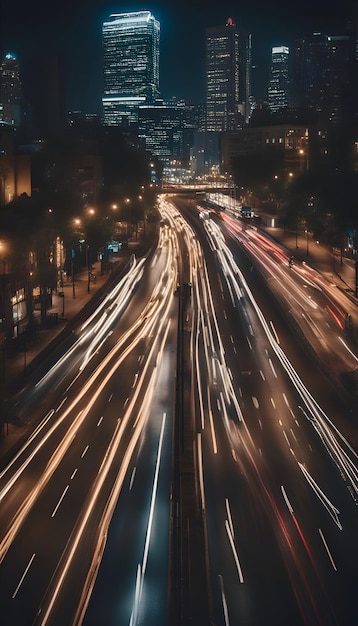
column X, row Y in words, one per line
column 88, row 268
column 73, row 279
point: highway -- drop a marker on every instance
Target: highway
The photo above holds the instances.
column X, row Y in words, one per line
column 98, row 410
column 278, row 477
column 87, row 509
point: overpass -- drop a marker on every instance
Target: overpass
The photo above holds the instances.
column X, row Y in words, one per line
column 196, row 188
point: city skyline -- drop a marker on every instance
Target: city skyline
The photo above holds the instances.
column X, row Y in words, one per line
column 75, row 34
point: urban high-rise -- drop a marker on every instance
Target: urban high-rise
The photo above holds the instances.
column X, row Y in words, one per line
column 10, row 91
column 131, row 65
column 222, row 72
column 325, row 76
column 278, row 89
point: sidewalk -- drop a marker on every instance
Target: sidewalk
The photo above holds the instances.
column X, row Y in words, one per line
column 61, row 316
column 18, row 363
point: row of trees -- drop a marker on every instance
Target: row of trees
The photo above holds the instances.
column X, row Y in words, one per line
column 85, row 192
column 322, row 199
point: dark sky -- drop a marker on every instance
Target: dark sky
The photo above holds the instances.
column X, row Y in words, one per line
column 33, row 28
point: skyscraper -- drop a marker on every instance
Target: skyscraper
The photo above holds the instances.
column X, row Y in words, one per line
column 10, row 91
column 278, row 89
column 131, row 65
column 222, row 71
column 325, row 77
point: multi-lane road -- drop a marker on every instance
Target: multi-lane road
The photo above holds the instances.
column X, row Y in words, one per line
column 279, row 486
column 88, row 511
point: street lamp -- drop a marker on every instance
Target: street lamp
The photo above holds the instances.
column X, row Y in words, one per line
column 88, row 268
column 307, row 240
column 127, row 201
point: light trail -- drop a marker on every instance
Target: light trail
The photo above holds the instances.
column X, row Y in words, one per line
column 327, row 549
column 143, row 567
column 325, row 429
column 155, row 312
column 53, row 592
column 234, row 551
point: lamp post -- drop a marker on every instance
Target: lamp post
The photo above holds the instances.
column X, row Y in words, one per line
column 73, row 279
column 127, row 201
column 88, row 264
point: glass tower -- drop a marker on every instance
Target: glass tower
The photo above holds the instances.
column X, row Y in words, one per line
column 222, row 72
column 278, row 89
column 10, row 91
column 131, row 65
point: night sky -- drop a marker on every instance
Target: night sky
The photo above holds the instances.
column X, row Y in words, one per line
column 72, row 28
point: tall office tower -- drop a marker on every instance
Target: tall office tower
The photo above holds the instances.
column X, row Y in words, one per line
column 10, row 91
column 222, row 73
column 131, row 65
column 229, row 70
column 278, row 89
column 245, row 75
column 324, row 77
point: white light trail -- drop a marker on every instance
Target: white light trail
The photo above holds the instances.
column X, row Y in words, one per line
column 334, row 513
column 233, row 548
column 327, row 549
column 23, row 576
column 141, row 569
column 339, row 451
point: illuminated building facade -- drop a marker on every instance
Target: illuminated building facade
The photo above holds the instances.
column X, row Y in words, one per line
column 131, row 65
column 222, row 73
column 278, row 89
column 167, row 130
column 10, row 91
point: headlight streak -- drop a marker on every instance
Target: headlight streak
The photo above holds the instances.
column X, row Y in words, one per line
column 328, row 550
column 234, row 551
column 32, row 496
column 57, row 424
column 320, row 421
column 223, row 599
column 245, row 443
column 201, row 473
column 334, row 513
column 228, row 511
column 147, row 323
column 334, row 309
column 115, row 291
column 196, row 362
column 287, row 283
column 346, row 347
column 111, row 503
column 127, row 284
column 302, row 537
column 101, row 329
column 233, row 275
column 67, row 557
column 24, row 447
column 139, row 588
